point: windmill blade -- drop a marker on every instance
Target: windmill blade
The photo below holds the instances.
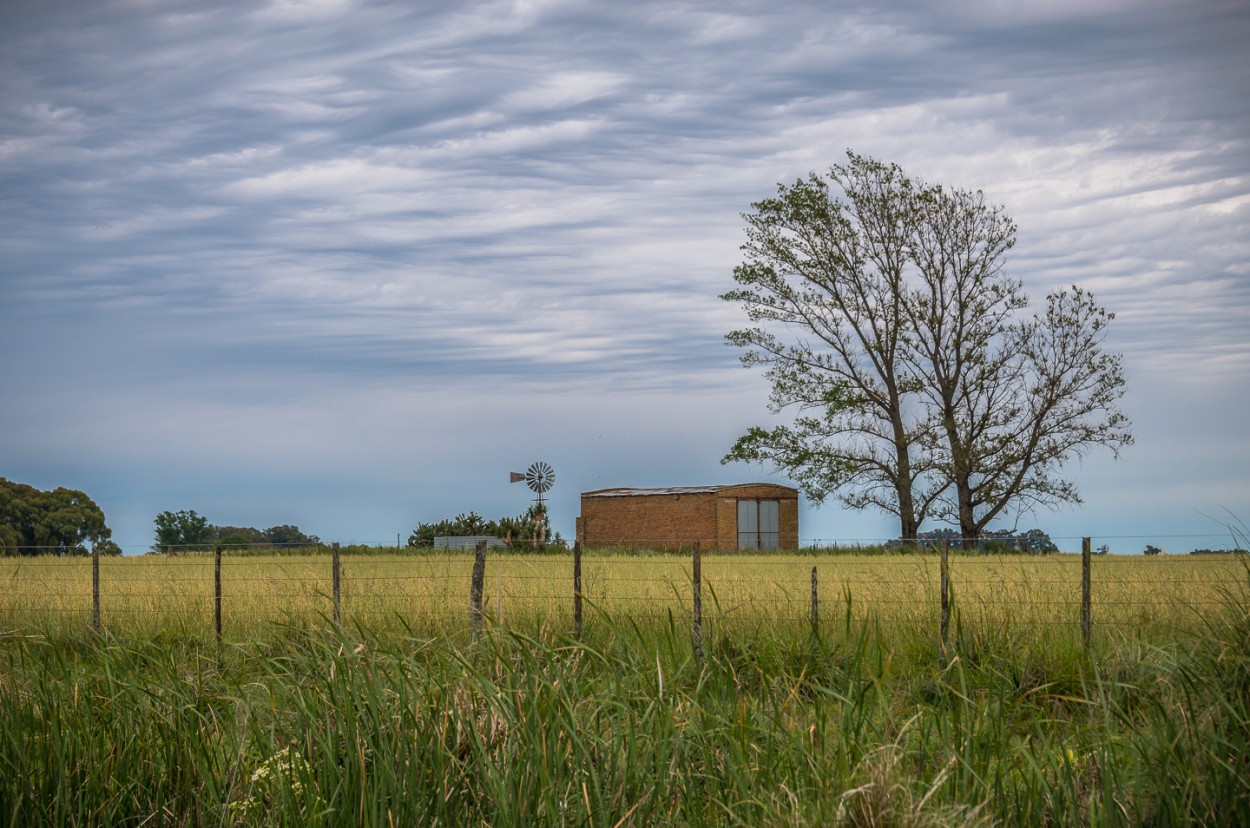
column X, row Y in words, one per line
column 539, row 477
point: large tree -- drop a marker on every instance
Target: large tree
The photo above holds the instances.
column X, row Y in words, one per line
column 1013, row 396
column 922, row 386
column 181, row 530
column 288, row 535
column 57, row 522
column 825, row 281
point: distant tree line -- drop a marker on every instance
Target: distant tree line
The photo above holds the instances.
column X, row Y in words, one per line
column 991, row 542
column 529, row 527
column 57, row 522
column 187, row 530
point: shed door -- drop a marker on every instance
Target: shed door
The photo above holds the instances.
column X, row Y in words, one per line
column 770, row 524
column 759, row 524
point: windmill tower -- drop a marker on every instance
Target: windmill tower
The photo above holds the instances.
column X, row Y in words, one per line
column 539, row 477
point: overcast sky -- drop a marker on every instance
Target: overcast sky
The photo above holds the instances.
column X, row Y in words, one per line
column 347, row 264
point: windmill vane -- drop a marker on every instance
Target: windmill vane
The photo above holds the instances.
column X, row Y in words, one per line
column 539, row 477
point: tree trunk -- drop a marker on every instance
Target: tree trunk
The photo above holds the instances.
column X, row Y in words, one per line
column 968, row 527
column 910, row 530
column 904, row 480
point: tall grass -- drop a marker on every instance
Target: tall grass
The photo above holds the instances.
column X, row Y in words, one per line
column 1146, row 598
column 860, row 723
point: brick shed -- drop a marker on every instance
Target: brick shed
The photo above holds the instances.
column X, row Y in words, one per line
column 724, row 518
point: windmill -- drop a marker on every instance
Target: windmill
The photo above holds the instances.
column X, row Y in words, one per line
column 539, row 477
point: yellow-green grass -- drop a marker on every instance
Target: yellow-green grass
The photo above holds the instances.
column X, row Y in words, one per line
column 1132, row 596
column 868, row 723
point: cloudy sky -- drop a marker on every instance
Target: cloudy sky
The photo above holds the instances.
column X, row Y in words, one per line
column 347, row 264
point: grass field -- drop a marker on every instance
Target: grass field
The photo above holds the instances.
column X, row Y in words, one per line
column 1148, row 598
column 395, row 717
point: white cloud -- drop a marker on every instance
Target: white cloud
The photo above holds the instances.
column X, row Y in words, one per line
column 335, row 179
column 303, row 10
column 563, row 90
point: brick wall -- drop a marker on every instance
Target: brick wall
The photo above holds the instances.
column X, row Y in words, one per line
column 661, row 519
column 657, row 521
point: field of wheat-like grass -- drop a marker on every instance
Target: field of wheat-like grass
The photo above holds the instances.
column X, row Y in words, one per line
column 1131, row 596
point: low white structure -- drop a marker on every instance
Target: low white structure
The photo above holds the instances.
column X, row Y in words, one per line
column 466, row 541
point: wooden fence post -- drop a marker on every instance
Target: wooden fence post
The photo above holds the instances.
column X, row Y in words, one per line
column 475, row 591
column 577, row 590
column 217, row 597
column 946, row 597
column 815, row 605
column 1086, row 619
column 698, row 603
column 95, row 587
column 335, row 566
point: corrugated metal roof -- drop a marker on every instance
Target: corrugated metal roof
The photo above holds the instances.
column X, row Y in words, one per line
column 676, row 490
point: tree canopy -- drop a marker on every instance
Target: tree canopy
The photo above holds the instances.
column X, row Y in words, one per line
column 284, row 535
column 180, row 531
column 1034, row 541
column 57, row 522
column 826, row 281
column 531, row 526
column 187, row 529
column 920, row 382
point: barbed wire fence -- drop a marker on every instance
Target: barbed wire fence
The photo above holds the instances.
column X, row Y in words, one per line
column 671, row 580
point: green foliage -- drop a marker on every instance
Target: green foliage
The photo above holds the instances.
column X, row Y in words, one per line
column 238, row 536
column 181, row 531
column 109, row 548
column 1034, row 541
column 462, row 525
column 10, row 540
column 287, row 535
column 58, row 522
column 1151, row 549
column 188, row 530
column 994, row 542
column 530, row 527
